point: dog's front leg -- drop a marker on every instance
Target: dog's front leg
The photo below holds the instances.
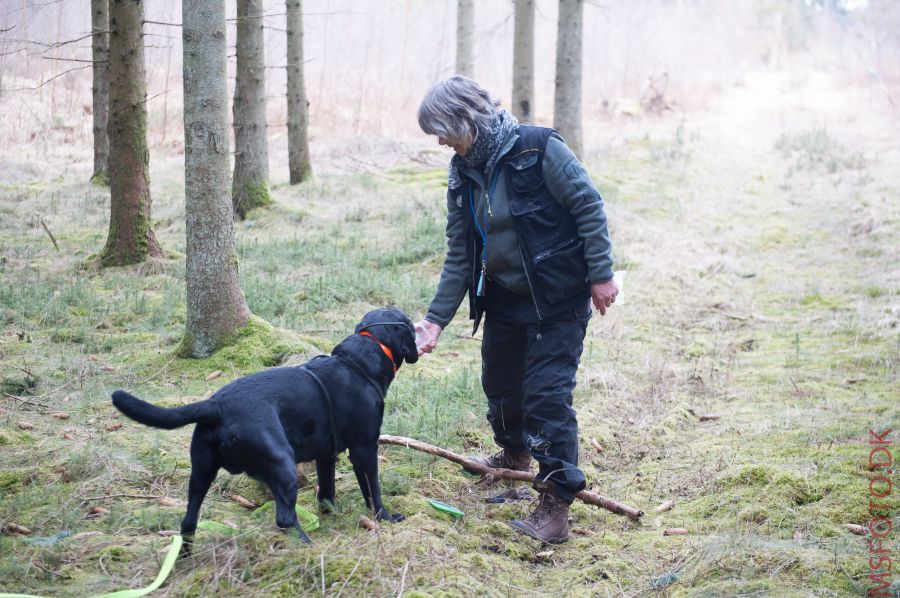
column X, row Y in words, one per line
column 325, row 480
column 365, row 466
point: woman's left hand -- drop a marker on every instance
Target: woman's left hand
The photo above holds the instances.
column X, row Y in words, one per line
column 603, row 294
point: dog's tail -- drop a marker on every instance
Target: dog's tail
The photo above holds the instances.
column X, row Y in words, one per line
column 161, row 417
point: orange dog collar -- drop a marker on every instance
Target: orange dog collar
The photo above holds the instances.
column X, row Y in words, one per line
column 385, row 348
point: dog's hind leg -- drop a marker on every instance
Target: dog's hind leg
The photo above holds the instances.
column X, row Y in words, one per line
column 204, row 467
column 325, row 480
column 282, row 480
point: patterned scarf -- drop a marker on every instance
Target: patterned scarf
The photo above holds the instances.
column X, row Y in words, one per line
column 486, row 149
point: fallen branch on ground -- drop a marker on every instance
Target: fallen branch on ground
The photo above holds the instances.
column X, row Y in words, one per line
column 859, row 530
column 25, row 401
column 140, row 496
column 586, row 496
column 59, row 388
column 52, row 238
column 247, row 504
column 676, row 531
column 15, row 528
column 665, row 506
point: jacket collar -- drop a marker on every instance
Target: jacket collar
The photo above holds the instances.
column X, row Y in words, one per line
column 478, row 176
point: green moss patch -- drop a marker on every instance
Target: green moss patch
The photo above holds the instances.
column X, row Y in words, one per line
column 253, row 347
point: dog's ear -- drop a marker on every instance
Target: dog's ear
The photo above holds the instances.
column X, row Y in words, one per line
column 409, row 351
column 406, row 335
column 361, row 326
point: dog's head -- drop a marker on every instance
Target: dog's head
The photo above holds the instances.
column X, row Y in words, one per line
column 394, row 329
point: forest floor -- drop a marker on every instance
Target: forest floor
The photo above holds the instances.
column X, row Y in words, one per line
column 762, row 287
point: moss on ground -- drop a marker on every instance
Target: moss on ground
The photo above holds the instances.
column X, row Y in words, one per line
column 101, row 179
column 256, row 345
column 733, row 309
column 253, row 196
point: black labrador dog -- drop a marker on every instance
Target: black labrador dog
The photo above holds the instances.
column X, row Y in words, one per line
column 267, row 422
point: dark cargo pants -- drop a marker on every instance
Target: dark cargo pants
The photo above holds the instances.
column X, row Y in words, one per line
column 528, row 375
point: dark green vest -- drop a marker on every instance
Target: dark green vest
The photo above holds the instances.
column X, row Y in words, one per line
column 552, row 252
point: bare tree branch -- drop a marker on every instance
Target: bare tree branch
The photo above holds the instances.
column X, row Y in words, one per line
column 55, row 45
column 157, row 95
column 287, row 66
column 16, row 51
column 306, row 14
column 74, row 68
column 72, row 59
column 277, row 14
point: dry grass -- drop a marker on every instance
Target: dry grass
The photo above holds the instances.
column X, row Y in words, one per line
column 762, row 287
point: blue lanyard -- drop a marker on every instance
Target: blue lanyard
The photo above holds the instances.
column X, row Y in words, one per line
column 483, row 231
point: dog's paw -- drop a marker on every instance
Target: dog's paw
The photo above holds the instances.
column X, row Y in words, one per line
column 327, row 507
column 391, row 517
column 187, row 547
column 300, row 535
column 295, row 533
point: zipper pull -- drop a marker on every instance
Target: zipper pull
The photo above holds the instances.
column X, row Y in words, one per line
column 480, row 290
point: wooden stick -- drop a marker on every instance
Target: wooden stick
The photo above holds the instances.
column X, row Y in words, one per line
column 25, row 401
column 59, row 388
column 665, row 506
column 676, row 531
column 586, row 496
column 15, row 528
column 247, row 504
column 144, row 496
column 859, row 530
column 52, row 238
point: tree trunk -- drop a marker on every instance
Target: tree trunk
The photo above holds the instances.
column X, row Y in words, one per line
column 100, row 69
column 465, row 34
column 131, row 239
column 297, row 106
column 523, row 62
column 215, row 303
column 250, row 186
column 567, row 100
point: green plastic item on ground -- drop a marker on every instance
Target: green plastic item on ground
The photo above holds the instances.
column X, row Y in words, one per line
column 219, row 528
column 164, row 571
column 445, row 508
column 308, row 521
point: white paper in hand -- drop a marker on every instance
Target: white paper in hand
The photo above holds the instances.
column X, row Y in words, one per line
column 423, row 337
column 619, row 280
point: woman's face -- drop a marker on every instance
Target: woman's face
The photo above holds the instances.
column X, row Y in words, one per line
column 460, row 147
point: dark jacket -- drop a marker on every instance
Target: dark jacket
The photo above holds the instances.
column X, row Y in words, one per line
column 547, row 232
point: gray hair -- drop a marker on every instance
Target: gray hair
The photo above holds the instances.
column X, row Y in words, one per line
column 456, row 108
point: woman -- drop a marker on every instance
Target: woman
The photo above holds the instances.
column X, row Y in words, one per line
column 527, row 239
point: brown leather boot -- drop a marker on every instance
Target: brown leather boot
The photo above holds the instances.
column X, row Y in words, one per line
column 549, row 522
column 505, row 459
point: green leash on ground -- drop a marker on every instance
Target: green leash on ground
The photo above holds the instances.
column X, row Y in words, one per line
column 164, row 571
column 308, row 521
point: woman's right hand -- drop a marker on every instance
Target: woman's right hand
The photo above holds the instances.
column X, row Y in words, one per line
column 427, row 334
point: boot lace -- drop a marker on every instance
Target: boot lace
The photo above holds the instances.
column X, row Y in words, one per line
column 500, row 459
column 547, row 509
